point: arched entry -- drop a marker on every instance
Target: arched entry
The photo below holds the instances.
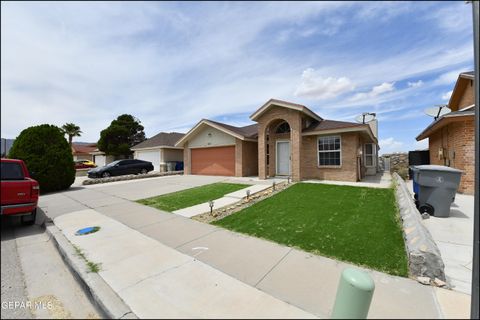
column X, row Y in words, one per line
column 278, row 148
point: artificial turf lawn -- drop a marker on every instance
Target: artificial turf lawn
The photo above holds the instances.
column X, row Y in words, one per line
column 353, row 224
column 190, row 197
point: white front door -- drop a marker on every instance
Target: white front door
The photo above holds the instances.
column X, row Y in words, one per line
column 283, row 158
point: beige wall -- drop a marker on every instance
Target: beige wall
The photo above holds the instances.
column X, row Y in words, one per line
column 172, row 155
column 82, row 156
column 467, row 98
column 457, row 141
column 348, row 169
column 210, row 137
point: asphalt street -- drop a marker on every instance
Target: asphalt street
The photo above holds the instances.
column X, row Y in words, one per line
column 35, row 281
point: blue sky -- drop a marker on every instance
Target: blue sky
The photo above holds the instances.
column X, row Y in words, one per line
column 171, row 64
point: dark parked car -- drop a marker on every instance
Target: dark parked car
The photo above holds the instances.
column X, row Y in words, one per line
column 121, row 167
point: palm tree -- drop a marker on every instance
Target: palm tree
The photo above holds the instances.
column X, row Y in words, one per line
column 72, row 130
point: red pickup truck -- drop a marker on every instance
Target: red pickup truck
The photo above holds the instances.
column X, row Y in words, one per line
column 19, row 192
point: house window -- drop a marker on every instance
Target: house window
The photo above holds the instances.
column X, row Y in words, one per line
column 283, row 128
column 369, row 155
column 329, row 151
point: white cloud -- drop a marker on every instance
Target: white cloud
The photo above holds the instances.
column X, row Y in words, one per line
column 421, row 145
column 375, row 92
column 449, row 77
column 390, row 145
column 447, row 95
column 417, row 84
column 315, row 86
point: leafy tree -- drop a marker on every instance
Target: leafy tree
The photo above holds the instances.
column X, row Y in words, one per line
column 71, row 130
column 47, row 154
column 123, row 133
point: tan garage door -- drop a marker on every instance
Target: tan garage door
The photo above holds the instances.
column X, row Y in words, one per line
column 217, row 161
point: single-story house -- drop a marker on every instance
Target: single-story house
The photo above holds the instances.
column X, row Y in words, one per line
column 288, row 140
column 82, row 151
column 100, row 158
column 451, row 137
column 159, row 150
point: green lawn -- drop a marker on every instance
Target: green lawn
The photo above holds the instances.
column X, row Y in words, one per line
column 353, row 224
column 190, row 197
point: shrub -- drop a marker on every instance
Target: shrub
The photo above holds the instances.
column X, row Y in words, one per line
column 47, row 154
column 403, row 173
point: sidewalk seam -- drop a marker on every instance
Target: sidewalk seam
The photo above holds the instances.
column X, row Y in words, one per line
column 183, row 244
column 274, row 266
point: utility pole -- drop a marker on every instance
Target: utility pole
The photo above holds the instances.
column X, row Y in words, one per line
column 474, row 312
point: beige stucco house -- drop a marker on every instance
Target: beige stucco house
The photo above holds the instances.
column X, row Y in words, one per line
column 288, row 139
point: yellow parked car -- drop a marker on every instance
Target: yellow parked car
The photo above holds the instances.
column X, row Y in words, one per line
column 81, row 164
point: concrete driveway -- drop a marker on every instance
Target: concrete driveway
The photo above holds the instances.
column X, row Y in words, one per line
column 80, row 197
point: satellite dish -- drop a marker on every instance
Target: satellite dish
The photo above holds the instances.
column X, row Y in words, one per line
column 437, row 111
column 365, row 117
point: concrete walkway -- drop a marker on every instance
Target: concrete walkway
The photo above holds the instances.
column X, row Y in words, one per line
column 454, row 238
column 226, row 200
column 380, row 180
column 306, row 281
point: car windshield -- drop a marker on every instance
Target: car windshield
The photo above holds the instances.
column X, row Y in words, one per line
column 11, row 171
column 111, row 164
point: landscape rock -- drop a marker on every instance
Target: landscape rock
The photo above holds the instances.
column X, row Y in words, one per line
column 439, row 283
column 424, row 280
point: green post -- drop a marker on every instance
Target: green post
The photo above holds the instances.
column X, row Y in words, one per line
column 354, row 295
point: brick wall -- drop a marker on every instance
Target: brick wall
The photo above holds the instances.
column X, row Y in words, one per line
column 346, row 172
column 457, row 141
column 269, row 120
column 186, row 159
column 249, row 158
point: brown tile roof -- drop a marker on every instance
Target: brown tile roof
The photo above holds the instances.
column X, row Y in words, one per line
column 83, row 148
column 331, row 125
column 250, row 131
column 161, row 139
column 432, row 127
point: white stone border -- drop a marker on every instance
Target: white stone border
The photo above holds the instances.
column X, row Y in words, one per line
column 130, row 177
column 424, row 258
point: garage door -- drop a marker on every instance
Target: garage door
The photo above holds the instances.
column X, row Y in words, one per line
column 99, row 160
column 152, row 156
column 217, row 161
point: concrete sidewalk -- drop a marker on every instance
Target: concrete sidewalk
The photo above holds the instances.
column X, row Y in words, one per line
column 306, row 281
column 226, row 200
column 156, row 281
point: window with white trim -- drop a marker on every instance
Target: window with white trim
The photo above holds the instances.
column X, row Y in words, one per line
column 329, row 151
column 369, row 154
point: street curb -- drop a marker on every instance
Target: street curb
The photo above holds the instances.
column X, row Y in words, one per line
column 107, row 301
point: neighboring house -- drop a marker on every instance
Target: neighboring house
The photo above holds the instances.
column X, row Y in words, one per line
column 82, row 151
column 6, row 146
column 288, row 140
column 214, row 148
column 100, row 158
column 159, row 150
column 451, row 137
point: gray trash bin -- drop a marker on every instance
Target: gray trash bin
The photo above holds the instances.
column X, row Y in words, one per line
column 436, row 188
column 171, row 165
